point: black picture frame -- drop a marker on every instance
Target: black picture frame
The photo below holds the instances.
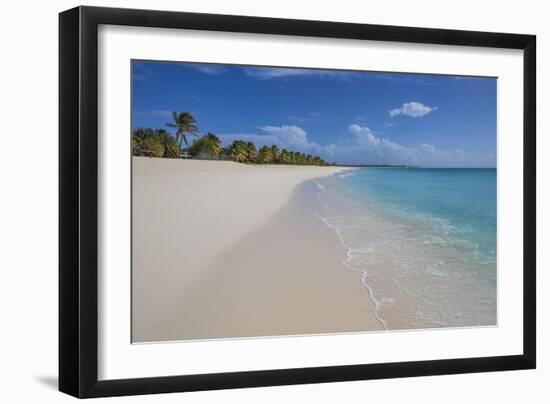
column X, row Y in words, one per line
column 78, row 201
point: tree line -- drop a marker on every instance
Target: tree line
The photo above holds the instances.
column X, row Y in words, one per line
column 160, row 143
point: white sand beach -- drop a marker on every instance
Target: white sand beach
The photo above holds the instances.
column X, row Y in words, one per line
column 222, row 249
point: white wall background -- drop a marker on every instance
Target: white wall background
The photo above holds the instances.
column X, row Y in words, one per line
column 28, row 199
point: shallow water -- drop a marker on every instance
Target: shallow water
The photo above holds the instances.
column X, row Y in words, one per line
column 424, row 241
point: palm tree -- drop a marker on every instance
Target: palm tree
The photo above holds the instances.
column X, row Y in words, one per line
column 291, row 157
column 184, row 122
column 215, row 143
column 140, row 138
column 160, row 143
column 275, row 153
column 284, row 157
column 169, row 144
column 239, row 151
column 265, row 156
column 251, row 151
column 207, row 146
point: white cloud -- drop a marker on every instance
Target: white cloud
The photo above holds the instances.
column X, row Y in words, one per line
column 154, row 113
column 365, row 147
column 419, row 79
column 266, row 73
column 286, row 136
column 212, row 70
column 362, row 146
column 290, row 135
column 141, row 71
column 364, row 135
column 306, row 117
column 413, row 109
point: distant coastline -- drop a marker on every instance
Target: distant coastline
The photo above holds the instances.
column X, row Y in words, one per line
column 375, row 165
column 409, row 166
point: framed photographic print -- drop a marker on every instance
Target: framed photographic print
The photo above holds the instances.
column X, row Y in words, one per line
column 251, row 201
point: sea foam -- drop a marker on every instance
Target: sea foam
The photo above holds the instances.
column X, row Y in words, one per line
column 421, row 269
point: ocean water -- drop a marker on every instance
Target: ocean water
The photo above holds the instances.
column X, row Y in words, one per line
column 424, row 241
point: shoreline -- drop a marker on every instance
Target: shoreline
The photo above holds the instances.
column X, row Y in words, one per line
column 421, row 271
column 228, row 250
column 364, row 273
column 223, row 203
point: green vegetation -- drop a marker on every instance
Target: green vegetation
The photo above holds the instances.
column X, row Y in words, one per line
column 265, row 156
column 159, row 143
column 154, row 143
column 169, row 144
column 184, row 122
column 238, row 151
column 206, row 147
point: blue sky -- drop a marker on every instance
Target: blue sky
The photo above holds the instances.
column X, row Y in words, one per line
column 343, row 116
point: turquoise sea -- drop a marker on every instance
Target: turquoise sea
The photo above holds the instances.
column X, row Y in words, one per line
column 423, row 241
